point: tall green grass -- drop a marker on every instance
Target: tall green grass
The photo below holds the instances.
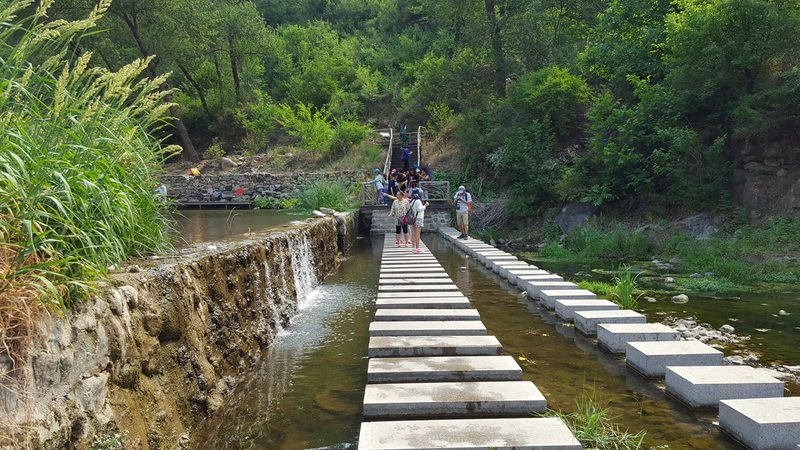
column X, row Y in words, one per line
column 593, row 426
column 625, row 287
column 77, row 160
column 322, row 194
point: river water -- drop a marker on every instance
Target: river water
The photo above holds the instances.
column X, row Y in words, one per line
column 307, row 390
column 192, row 226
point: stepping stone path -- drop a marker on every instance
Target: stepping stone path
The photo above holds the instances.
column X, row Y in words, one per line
column 435, row 379
column 751, row 405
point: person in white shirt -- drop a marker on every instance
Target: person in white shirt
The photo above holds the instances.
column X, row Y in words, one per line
column 418, row 209
column 463, row 205
column 378, row 183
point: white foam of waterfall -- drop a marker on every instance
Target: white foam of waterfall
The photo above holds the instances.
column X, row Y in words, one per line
column 305, row 277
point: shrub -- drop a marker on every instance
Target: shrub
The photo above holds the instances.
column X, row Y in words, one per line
column 311, row 126
column 323, row 194
column 215, row 151
column 348, row 134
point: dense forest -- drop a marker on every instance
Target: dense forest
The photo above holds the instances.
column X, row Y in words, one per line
column 631, row 102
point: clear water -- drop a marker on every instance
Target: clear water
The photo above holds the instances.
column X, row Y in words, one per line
column 307, row 390
column 194, row 226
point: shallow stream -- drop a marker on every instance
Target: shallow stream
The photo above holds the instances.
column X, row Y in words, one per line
column 307, row 390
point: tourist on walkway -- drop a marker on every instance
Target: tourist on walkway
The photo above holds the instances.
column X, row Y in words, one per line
column 418, row 210
column 392, row 189
column 399, row 209
column 463, row 205
column 377, row 182
column 406, row 157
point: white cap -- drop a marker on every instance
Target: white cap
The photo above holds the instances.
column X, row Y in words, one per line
column 461, row 189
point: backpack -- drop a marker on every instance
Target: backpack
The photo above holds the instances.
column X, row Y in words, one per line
column 409, row 218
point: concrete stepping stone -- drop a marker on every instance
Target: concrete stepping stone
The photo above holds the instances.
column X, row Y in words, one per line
column 586, row 321
column 702, row 387
column 417, row 287
column 651, row 359
column 415, row 276
column 395, row 346
column 468, row 434
column 409, row 261
column 432, row 294
column 423, row 302
column 524, row 281
column 413, row 270
column 535, row 288
column 426, row 314
column 762, row 423
column 473, row 399
column 427, row 328
column 550, row 296
column 502, row 268
column 614, row 337
column 565, row 309
column 413, row 280
column 443, row 368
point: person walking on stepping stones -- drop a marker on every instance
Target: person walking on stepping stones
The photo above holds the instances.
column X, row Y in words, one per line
column 418, row 211
column 399, row 209
column 463, row 206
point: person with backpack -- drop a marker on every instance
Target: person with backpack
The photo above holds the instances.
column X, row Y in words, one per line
column 399, row 210
column 416, row 219
column 406, row 156
column 463, row 206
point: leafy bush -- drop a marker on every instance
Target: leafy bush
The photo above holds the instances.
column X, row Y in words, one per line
column 77, row 166
column 553, row 250
column 440, row 114
column 311, row 126
column 348, row 134
column 550, row 95
column 215, row 151
column 322, row 194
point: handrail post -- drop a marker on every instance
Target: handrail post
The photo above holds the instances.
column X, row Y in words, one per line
column 419, row 145
column 389, row 152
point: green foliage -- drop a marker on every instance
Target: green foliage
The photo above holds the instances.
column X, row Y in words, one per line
column 311, row 126
column 625, row 287
column 77, row 163
column 593, row 426
column 113, row 441
column 440, row 114
column 615, row 242
column 322, row 194
column 598, row 287
column 348, row 134
column 215, row 151
column 550, row 95
column 715, row 285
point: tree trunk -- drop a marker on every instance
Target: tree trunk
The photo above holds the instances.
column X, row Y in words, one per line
column 188, row 146
column 497, row 47
column 220, row 85
column 196, row 86
column 234, row 70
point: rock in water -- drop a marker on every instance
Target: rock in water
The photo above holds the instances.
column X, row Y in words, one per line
column 669, row 280
column 318, row 214
column 328, row 211
column 650, row 300
column 680, row 299
column 695, row 275
column 727, row 328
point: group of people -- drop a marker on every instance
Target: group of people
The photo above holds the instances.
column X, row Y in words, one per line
column 409, row 212
column 400, row 181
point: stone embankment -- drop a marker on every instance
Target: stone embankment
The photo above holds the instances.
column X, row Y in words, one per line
column 152, row 355
column 272, row 186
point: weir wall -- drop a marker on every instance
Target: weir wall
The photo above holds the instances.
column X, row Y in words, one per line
column 155, row 352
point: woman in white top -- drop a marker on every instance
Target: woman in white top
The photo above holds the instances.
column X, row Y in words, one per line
column 398, row 211
column 418, row 209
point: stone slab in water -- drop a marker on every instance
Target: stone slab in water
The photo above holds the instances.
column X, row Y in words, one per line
column 415, row 275
column 614, row 337
column 651, row 359
column 414, row 280
column 586, row 321
column 427, row 328
column 566, row 309
column 468, row 434
column 524, row 281
column 535, row 288
column 393, row 314
column 424, row 302
column 394, row 346
column 454, row 399
column 433, row 294
column 409, row 261
column 549, row 296
column 762, row 423
column 702, row 387
column 413, row 270
column 418, row 287
column 443, row 368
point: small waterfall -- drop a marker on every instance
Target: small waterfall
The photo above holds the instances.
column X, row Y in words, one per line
column 305, row 277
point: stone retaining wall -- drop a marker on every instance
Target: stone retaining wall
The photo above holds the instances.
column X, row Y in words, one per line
column 187, row 188
column 155, row 353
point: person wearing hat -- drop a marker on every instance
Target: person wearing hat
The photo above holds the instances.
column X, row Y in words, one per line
column 463, row 205
column 378, row 183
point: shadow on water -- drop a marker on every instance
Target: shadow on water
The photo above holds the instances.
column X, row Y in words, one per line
column 307, row 390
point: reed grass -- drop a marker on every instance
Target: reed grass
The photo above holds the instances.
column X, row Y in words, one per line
column 625, row 287
column 77, row 160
